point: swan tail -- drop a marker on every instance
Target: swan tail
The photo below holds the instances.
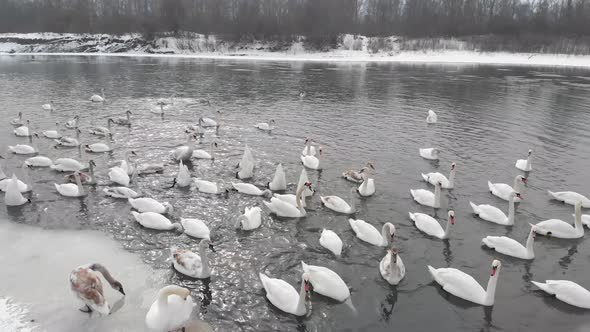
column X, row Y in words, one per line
column 304, row 266
column 264, row 279
column 552, row 194
column 56, row 187
column 412, row 216
column 543, row 286
column 474, row 207
column 432, row 271
column 490, row 186
column 413, row 193
column 425, row 177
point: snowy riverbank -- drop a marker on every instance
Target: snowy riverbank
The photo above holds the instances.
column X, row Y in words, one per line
column 348, row 49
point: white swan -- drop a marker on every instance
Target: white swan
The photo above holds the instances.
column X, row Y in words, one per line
column 73, row 123
column 23, row 131
column 98, row 98
column 171, row 310
column 429, row 153
column 195, row 228
column 337, row 204
column 570, row 197
column 504, row 190
column 430, row 226
column 207, row 122
column 561, row 229
column 185, row 152
column 367, row 188
column 279, row 181
column 124, row 120
column 164, row 101
column 68, row 165
column 119, row 176
column 146, row 204
column 102, row 131
column 511, row 247
column 309, row 150
column 67, row 141
column 331, row 241
column 155, row 221
column 191, row 264
column 39, row 161
column 265, row 126
column 432, row 117
column 183, row 177
column 97, row 148
column 392, row 267
column 566, row 291
column 312, row 162
column 85, row 178
column 22, row 149
column 251, row 219
column 285, row 209
column 284, row 296
column 70, row 189
column 368, row 233
column 202, row 154
column 428, row 198
column 303, row 179
column 21, row 186
column 525, row 164
column 357, row 176
column 433, row 178
column 52, row 133
column 208, row 187
column 247, row 157
column 250, row 189
column 48, row 107
column 326, row 282
column 493, row 214
column 464, row 286
column 13, row 196
column 18, row 121
column 86, row 285
column 120, row 192
column 126, row 163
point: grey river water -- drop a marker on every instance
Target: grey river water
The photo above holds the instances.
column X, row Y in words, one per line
column 488, row 118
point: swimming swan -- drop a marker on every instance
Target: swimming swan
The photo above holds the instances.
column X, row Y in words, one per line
column 23, row 131
column 511, row 247
column 52, row 133
column 171, row 310
column 430, row 226
column 279, row 181
column 185, row 152
column 429, row 153
column 493, row 214
column 432, row 117
column 18, row 121
column 13, row 196
column 392, row 267
column 86, row 284
column 284, row 296
column 155, row 221
column 504, row 190
column 425, row 197
column 195, row 228
column 120, row 192
column 191, row 264
column 70, row 189
column 146, row 204
column 566, row 291
column 357, row 176
column 309, row 150
column 367, row 188
column 326, row 282
column 525, row 164
column 98, row 98
column 102, row 131
column 38, row 161
column 331, row 241
column 285, row 209
column 337, row 204
column 368, row 233
column 124, row 121
column 251, row 219
column 183, row 177
column 561, row 229
column 265, row 126
column 312, row 162
column 250, row 189
column 570, row 197
column 433, row 178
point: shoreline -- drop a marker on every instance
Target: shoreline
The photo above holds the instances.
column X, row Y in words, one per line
column 435, row 58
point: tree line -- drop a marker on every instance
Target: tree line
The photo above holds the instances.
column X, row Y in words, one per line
column 312, row 18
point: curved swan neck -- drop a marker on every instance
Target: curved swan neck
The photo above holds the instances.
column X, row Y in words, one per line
column 528, row 161
column 578, row 218
column 204, row 259
column 105, row 273
column 448, row 227
column 385, row 233
column 352, row 205
column 298, row 199
column 529, row 242
column 165, row 292
column 437, row 196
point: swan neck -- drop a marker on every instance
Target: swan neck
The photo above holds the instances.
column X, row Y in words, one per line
column 528, row 162
column 448, row 227
column 511, row 210
column 301, row 303
column 105, row 273
column 529, row 243
column 393, row 268
column 79, row 184
column 452, row 178
column 491, row 289
column 578, row 218
column 203, row 253
column 352, row 205
column 437, row 196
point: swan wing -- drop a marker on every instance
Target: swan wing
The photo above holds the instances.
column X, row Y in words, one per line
column 460, row 284
column 423, row 196
column 247, row 188
column 152, row 220
column 491, row 213
column 206, row 186
column 331, row 241
column 195, row 228
column 280, row 293
column 335, row 203
column 505, row 245
column 366, row 232
column 428, row 225
column 283, row 209
column 556, row 227
column 327, row 282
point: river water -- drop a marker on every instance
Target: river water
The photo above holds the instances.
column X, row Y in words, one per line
column 488, row 117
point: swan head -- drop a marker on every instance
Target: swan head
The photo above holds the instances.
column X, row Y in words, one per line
column 530, row 152
column 370, row 165
column 516, row 194
column 307, row 283
column 128, row 112
column 391, row 229
column 495, row 267
column 522, row 179
column 118, row 287
column 321, row 151
column 453, row 165
column 452, row 217
column 110, row 121
column 207, row 243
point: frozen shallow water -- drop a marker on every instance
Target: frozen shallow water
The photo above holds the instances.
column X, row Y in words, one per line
column 36, row 263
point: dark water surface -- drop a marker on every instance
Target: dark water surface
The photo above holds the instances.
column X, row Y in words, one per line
column 488, row 118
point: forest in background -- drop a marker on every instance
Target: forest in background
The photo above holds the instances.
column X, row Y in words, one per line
column 561, row 26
